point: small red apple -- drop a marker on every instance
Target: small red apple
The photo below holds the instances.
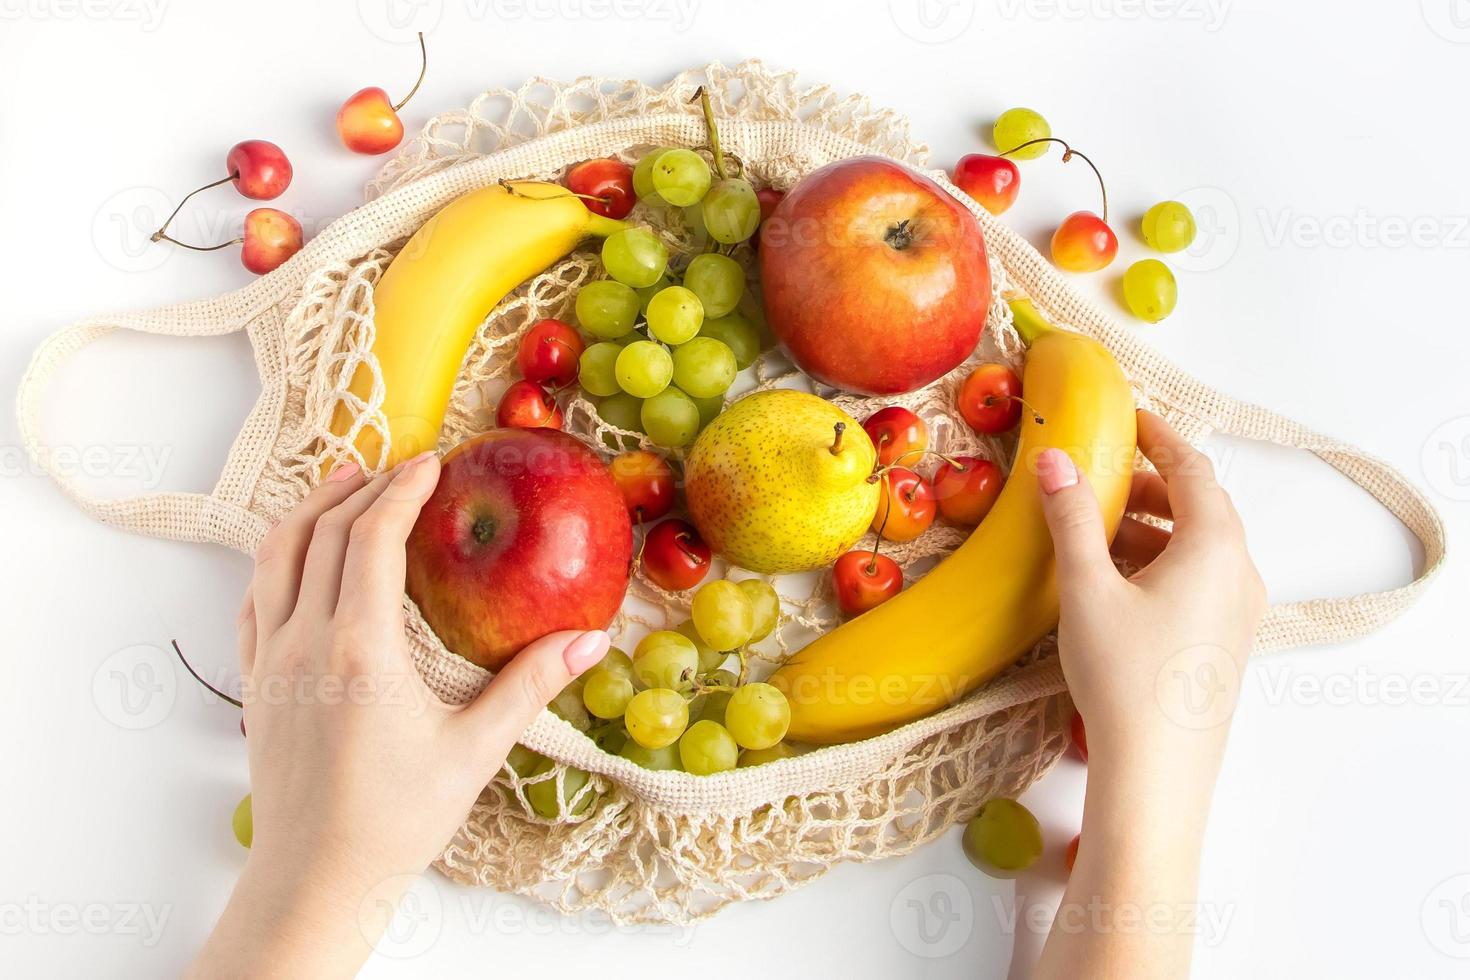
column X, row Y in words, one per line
column 260, row 169
column 875, row 280
column 527, row 405
column 992, row 181
column 526, row 534
column 271, row 237
column 675, row 557
column 897, row 433
column 864, row 580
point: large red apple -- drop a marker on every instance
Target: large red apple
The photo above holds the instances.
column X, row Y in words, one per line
column 876, row 280
column 525, row 535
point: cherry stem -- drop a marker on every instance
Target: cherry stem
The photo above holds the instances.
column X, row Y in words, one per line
column 702, row 97
column 679, row 540
column 160, row 236
column 195, row 674
column 423, row 68
column 990, row 401
column 510, row 187
column 1066, row 158
column 838, row 429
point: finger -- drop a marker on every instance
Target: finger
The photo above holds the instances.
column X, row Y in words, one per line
column 374, row 567
column 1138, row 543
column 1149, row 494
column 277, row 579
column 1076, row 524
column 1194, row 492
column 526, row 685
column 245, row 633
column 321, row 575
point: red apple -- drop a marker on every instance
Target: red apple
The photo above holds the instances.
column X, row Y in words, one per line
column 992, row 181
column 526, row 534
column 876, row 281
column 271, row 237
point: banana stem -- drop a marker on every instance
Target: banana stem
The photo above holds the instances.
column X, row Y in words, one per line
column 1028, row 321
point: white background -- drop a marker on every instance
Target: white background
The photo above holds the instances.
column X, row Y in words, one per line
column 1317, row 132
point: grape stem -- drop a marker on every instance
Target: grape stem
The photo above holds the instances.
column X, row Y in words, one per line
column 423, row 69
column 1067, row 158
column 702, row 97
column 195, row 674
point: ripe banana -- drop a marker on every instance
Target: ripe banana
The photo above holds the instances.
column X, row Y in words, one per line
column 996, row 596
column 438, row 290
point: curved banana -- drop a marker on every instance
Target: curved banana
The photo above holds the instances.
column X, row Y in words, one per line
column 996, row 596
column 438, row 290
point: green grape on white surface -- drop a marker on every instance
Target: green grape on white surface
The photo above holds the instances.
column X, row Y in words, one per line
column 765, row 606
column 680, row 176
column 597, row 369
column 731, row 210
column 1003, row 839
column 665, row 759
column 758, row 716
column 707, row 748
column 675, row 315
column 1149, row 290
column 1017, row 126
column 656, row 717
column 1168, row 227
column 606, row 693
column 644, row 369
column 635, row 257
column 717, row 280
column 704, row 367
column 607, row 309
column 552, row 801
column 242, row 822
column 736, row 332
column 722, row 614
column 643, row 176
column 665, row 658
column 671, row 419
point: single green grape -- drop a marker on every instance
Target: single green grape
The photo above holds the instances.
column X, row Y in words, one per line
column 680, row 177
column 671, row 419
column 243, row 822
column 665, row 759
column 717, row 280
column 568, row 706
column 709, row 408
column 709, row 658
column 737, row 333
column 607, row 309
column 1003, row 839
column 675, row 315
column 759, row 757
column 643, row 176
column 616, row 661
column 706, row 748
column 666, row 659
column 644, row 369
column 1017, row 126
column 606, row 693
column 1168, row 227
column 731, row 210
column 721, row 612
column 765, row 604
column 634, row 257
column 623, row 411
column 551, row 803
column 704, row 367
column 647, row 293
column 597, row 369
column 523, row 761
column 656, row 717
column 1149, row 290
column 758, row 716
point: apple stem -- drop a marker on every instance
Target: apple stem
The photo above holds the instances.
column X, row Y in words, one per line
column 991, row 400
column 161, row 236
column 900, row 236
column 1067, row 156
column 837, row 429
column 702, row 97
column 207, row 686
column 423, row 68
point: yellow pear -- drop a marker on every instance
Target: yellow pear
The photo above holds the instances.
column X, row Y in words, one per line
column 781, row 482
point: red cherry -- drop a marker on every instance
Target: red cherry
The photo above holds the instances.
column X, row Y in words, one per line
column 906, row 506
column 647, row 483
column 1079, row 735
column 992, row 181
column 611, row 180
column 768, row 198
column 548, row 353
column 368, row 121
column 271, row 237
column 527, row 405
column 865, row 580
column 990, row 399
column 675, row 557
column 259, row 168
column 966, row 487
column 1072, row 852
column 896, row 433
column 1083, row 243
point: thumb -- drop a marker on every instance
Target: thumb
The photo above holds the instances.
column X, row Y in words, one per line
column 515, row 696
column 1072, row 515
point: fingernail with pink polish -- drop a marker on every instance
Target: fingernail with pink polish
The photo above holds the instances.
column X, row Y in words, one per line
column 1055, row 471
column 586, row 650
column 343, row 472
column 407, row 466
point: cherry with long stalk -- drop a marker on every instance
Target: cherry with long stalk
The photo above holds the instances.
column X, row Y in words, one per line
column 1083, row 242
column 368, row 121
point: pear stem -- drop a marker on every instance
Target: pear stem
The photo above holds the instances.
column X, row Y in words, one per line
column 838, row 429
